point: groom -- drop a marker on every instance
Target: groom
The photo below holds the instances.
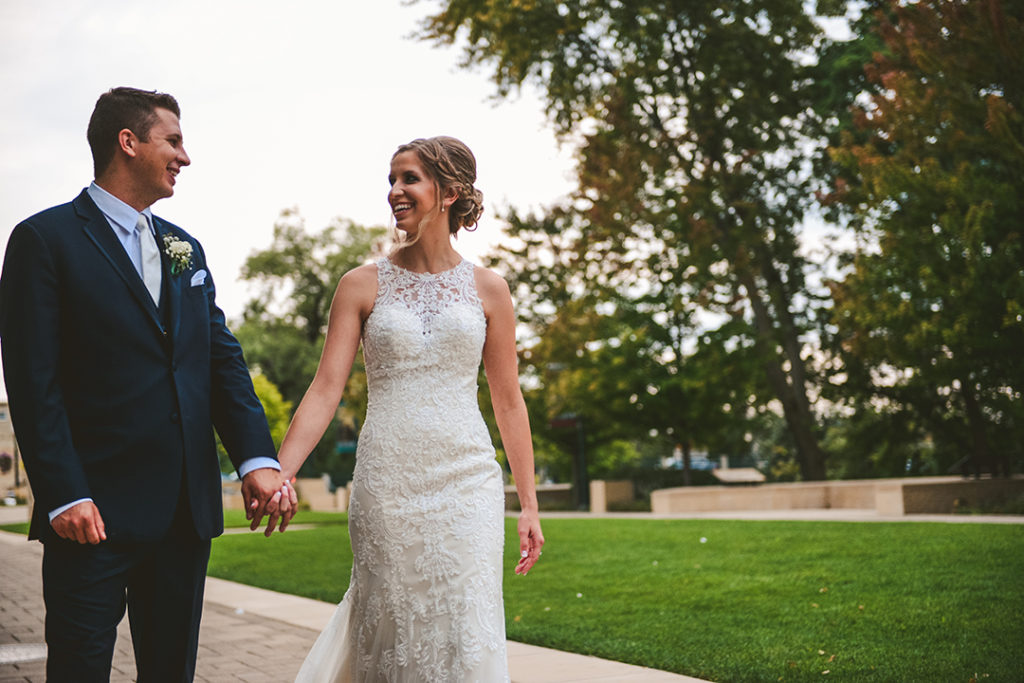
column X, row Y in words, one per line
column 118, row 365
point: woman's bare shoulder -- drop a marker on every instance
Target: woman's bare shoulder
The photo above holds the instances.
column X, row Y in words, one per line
column 489, row 283
column 361, row 275
column 359, row 284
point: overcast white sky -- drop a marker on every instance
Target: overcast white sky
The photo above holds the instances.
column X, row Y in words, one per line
column 283, row 105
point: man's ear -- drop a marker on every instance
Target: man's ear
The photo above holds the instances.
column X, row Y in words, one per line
column 128, row 142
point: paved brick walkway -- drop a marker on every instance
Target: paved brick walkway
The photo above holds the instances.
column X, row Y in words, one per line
column 232, row 646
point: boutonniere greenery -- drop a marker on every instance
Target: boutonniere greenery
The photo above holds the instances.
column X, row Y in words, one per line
column 179, row 252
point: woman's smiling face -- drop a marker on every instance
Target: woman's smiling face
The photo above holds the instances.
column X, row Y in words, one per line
column 413, row 196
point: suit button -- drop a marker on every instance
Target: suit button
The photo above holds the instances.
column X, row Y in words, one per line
column 175, row 418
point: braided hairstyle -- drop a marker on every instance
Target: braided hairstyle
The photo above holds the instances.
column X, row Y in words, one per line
column 452, row 166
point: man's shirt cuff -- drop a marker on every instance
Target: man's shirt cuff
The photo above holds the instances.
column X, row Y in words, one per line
column 257, row 463
column 62, row 508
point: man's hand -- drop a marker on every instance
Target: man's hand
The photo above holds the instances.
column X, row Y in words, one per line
column 265, row 493
column 81, row 523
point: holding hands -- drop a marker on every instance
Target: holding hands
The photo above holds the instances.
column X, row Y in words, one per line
column 266, row 492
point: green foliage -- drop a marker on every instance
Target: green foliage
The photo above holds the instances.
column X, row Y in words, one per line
column 610, row 459
column 757, row 601
column 552, row 460
column 277, row 410
column 883, row 444
column 282, row 352
column 928, row 318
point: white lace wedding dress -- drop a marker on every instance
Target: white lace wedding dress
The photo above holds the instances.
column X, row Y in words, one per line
column 427, row 512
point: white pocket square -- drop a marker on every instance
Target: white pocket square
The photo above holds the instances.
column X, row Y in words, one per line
column 198, row 278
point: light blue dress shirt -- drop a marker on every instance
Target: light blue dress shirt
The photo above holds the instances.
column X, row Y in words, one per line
column 123, row 219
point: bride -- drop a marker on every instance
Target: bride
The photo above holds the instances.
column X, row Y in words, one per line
column 426, row 517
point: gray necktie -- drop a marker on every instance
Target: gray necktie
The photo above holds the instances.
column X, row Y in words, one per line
column 150, row 258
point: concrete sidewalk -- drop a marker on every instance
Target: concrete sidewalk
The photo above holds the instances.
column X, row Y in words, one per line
column 248, row 634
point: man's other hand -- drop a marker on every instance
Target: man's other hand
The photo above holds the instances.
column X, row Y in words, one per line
column 81, row 523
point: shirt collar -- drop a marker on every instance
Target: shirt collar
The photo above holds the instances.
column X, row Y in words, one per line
column 119, row 214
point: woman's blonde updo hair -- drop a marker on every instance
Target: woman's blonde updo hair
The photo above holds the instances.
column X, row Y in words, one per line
column 452, row 166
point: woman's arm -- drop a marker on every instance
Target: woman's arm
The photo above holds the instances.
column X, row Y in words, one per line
column 352, row 303
column 502, row 366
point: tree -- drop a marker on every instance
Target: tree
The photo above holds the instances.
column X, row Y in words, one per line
column 283, row 326
column 282, row 352
column 929, row 317
column 296, row 276
column 278, row 410
column 696, row 129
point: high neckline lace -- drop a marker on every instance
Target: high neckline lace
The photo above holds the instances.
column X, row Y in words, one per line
column 424, row 273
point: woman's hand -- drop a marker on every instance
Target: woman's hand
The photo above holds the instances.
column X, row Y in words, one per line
column 531, row 540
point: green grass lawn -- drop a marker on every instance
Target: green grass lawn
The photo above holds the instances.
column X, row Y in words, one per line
column 234, row 519
column 757, row 601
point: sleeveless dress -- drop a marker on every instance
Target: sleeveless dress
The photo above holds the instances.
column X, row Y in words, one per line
column 426, row 517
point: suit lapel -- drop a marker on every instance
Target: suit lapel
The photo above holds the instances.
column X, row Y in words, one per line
column 171, row 283
column 98, row 230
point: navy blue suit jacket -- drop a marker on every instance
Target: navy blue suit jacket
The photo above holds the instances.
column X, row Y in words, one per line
column 111, row 397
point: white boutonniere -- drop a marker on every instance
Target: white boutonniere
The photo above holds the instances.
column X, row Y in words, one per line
column 179, row 252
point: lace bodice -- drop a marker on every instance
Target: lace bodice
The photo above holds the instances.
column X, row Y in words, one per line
column 427, row 295
column 423, row 324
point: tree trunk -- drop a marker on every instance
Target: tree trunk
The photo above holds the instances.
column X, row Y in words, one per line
column 981, row 454
column 790, row 390
column 796, row 408
column 686, row 462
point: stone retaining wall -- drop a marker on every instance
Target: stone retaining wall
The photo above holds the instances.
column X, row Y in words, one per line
column 549, row 496
column 604, row 493
column 915, row 495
